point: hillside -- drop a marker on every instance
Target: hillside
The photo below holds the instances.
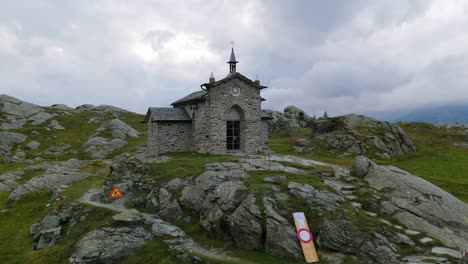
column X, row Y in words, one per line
column 58, row 166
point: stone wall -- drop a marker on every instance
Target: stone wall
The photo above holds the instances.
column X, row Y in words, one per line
column 264, row 136
column 220, row 102
column 169, row 137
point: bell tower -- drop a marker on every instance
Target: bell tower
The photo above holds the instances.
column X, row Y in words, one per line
column 232, row 60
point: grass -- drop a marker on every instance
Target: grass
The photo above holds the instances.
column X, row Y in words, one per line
column 29, row 175
column 284, row 145
column 21, row 214
column 183, row 164
column 435, row 160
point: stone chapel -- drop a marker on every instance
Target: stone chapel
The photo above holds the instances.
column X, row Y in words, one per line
column 224, row 116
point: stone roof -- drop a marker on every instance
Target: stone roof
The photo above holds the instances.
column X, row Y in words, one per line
column 191, row 97
column 167, row 114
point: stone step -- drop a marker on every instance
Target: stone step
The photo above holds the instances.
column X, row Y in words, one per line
column 424, row 259
column 426, row 240
column 350, row 179
column 356, row 205
column 351, row 197
column 446, row 251
column 348, row 187
column 347, row 192
column 370, row 213
column 412, row 232
column 385, row 222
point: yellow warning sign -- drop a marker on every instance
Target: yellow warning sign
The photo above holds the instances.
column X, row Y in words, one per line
column 305, row 236
column 116, row 193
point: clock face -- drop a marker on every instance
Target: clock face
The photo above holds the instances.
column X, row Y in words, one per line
column 235, row 90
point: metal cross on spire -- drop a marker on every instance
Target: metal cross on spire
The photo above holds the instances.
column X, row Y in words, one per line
column 232, row 43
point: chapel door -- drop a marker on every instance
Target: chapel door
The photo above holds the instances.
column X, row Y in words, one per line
column 233, row 135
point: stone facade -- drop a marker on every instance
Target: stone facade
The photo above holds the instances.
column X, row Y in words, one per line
column 202, row 127
column 169, row 137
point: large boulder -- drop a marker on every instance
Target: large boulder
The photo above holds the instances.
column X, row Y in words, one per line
column 417, row 203
column 7, row 141
column 117, row 129
column 108, row 245
column 291, row 117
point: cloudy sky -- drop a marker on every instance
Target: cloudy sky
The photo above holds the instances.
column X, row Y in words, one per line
column 339, row 56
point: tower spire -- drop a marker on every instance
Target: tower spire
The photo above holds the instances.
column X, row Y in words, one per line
column 232, row 60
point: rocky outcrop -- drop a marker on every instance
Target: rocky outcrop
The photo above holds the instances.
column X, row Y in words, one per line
column 17, row 113
column 357, row 135
column 47, row 232
column 346, row 232
column 99, row 147
column 302, row 145
column 7, row 141
column 280, row 237
column 117, row 129
column 321, row 201
column 109, row 244
column 417, row 203
column 62, row 173
column 291, row 117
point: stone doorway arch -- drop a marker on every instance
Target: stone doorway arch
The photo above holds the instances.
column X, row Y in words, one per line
column 234, row 128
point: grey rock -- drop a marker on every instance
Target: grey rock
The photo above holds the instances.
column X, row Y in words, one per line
column 129, row 217
column 61, row 107
column 161, row 228
column 118, row 129
column 361, row 166
column 57, row 149
column 446, row 251
column 19, row 113
column 62, row 173
column 371, row 244
column 275, row 179
column 320, row 200
column 218, row 204
column 54, row 124
column 420, row 205
column 85, row 107
column 280, row 238
column 99, row 147
column 107, row 245
column 302, row 145
column 33, row 145
column 9, row 139
column 245, row 224
column 176, row 184
column 426, row 240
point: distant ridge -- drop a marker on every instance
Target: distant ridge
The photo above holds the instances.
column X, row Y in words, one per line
column 447, row 114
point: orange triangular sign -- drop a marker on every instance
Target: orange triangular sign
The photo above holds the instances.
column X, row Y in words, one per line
column 116, row 193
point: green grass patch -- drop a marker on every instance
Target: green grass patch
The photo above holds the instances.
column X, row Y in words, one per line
column 285, row 145
column 15, row 223
column 436, row 159
column 183, row 164
column 29, row 175
column 11, row 166
column 155, row 251
column 64, row 248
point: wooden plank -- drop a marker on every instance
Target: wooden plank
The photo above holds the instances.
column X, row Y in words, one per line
column 308, row 248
